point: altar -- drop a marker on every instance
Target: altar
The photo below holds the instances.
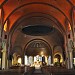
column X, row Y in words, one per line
column 37, row 61
column 37, row 65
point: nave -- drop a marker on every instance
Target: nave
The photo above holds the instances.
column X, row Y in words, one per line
column 46, row 70
column 37, row 37
column 52, row 71
column 37, row 72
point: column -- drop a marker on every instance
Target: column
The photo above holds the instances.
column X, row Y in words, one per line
column 71, row 59
column 67, row 52
column 69, row 45
column 70, row 50
column 0, row 39
column 0, row 45
column 10, row 61
column 25, row 60
column 4, row 62
column 49, row 60
column 73, row 27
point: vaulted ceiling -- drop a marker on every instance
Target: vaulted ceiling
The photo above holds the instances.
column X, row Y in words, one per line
column 29, row 13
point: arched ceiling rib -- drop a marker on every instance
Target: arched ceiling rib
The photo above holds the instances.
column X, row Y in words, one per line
column 30, row 12
column 20, row 39
column 17, row 30
column 2, row 2
column 43, row 19
column 72, row 2
column 46, row 10
column 59, row 5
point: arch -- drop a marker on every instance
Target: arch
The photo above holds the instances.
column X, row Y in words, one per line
column 3, row 3
column 56, row 46
column 33, row 40
column 58, row 52
column 43, row 15
column 16, row 49
column 35, row 3
column 14, row 27
column 60, row 57
column 15, row 58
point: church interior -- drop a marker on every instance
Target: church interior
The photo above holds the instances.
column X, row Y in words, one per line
column 37, row 37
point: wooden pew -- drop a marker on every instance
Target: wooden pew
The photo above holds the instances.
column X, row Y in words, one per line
column 18, row 71
column 10, row 72
column 57, row 71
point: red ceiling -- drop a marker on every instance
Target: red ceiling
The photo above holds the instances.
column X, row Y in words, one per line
column 22, row 12
column 1, row 1
column 58, row 9
column 72, row 1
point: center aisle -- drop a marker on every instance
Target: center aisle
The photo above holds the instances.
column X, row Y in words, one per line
column 37, row 72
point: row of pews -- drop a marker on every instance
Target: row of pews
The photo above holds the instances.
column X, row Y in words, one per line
column 18, row 70
column 45, row 70
column 52, row 70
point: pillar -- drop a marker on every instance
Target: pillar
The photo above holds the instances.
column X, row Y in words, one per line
column 67, row 53
column 0, row 39
column 4, row 57
column 70, row 48
column 49, row 60
column 9, row 61
column 70, row 54
column 25, row 60
column 71, row 60
column 69, row 45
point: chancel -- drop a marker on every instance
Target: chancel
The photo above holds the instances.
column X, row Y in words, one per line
column 37, row 37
